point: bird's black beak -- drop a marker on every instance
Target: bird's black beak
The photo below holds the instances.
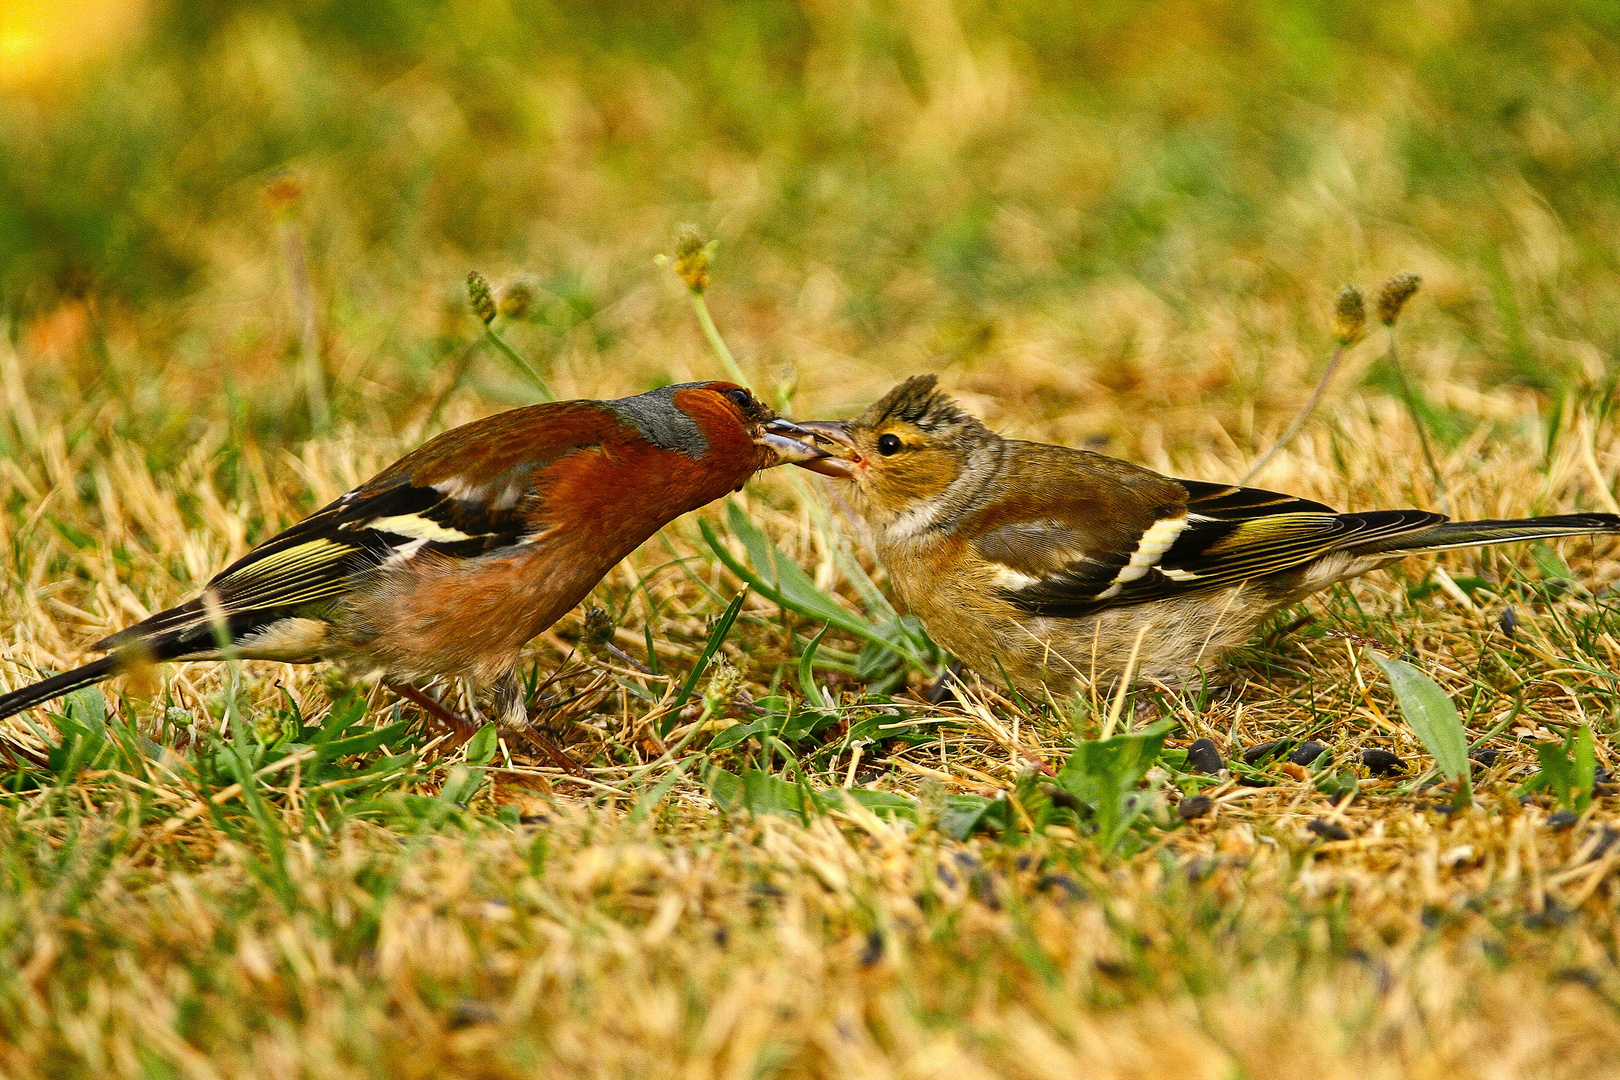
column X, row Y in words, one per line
column 839, row 456
column 807, row 446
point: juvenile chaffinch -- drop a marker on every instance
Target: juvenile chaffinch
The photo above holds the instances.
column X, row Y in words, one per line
column 1056, row 564
column 444, row 564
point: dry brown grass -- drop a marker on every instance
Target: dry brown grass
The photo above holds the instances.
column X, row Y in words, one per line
column 578, row 943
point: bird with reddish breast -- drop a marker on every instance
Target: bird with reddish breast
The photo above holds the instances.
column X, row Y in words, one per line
column 1063, row 567
column 445, row 563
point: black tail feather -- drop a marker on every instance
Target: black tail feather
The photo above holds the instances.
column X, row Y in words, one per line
column 1457, row 534
column 18, row 700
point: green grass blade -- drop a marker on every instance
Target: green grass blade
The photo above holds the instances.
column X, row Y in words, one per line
column 721, row 629
column 650, row 799
column 807, row 676
column 801, row 597
column 1430, row 713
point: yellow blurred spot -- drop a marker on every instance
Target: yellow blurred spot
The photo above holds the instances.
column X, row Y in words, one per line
column 46, row 40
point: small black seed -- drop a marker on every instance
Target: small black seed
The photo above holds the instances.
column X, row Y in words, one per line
column 1509, row 622
column 1486, row 758
column 1605, row 843
column 1195, row 806
column 1307, row 752
column 1255, row 781
column 873, row 952
column 1203, row 757
column 1552, row 914
column 1024, row 862
column 469, row 1011
column 1603, row 776
column 1328, row 830
column 1261, row 751
column 1063, row 882
column 946, row 876
column 1381, row 762
column 1580, row 976
column 1060, row 797
column 1563, row 819
column 1200, row 868
column 1383, row 978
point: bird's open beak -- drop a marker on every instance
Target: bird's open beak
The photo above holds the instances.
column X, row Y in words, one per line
column 838, row 446
column 810, row 446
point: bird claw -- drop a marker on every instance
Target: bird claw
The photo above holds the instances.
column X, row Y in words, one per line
column 463, row 729
column 559, row 757
column 460, row 727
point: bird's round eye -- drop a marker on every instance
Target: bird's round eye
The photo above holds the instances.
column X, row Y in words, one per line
column 742, row 397
column 888, row 445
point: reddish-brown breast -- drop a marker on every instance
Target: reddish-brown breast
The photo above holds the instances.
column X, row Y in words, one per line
column 591, row 488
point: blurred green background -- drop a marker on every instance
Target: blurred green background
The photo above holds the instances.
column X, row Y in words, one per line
column 1072, row 206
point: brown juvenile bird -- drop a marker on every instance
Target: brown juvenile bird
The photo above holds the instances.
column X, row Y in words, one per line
column 1056, row 564
column 445, row 563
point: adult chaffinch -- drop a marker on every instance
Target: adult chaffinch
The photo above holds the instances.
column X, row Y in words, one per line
column 1059, row 565
column 445, row 563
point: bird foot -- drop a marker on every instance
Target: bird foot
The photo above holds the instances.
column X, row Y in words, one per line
column 463, row 729
column 559, row 757
column 460, row 727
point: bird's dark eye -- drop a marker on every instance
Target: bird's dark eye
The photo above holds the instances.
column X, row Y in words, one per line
column 888, row 445
column 742, row 397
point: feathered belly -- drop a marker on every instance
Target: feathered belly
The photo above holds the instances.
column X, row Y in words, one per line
column 431, row 618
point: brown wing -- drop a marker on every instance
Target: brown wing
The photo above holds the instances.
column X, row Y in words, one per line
column 1219, row 535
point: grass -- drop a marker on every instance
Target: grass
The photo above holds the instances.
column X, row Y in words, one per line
column 258, row 870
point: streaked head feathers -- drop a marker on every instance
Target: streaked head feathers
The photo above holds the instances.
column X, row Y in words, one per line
column 919, row 402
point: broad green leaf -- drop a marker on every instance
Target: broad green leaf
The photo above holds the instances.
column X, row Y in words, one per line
column 1551, row 565
column 766, row 794
column 1430, row 713
column 725, row 788
column 1557, row 771
column 461, row 785
column 1585, row 768
column 481, row 747
column 362, row 744
column 1568, row 768
column 882, row 803
column 963, row 815
column 759, row 792
column 780, row 572
column 735, row 734
column 1104, row 774
column 88, row 706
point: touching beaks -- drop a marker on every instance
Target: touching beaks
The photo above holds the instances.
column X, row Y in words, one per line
column 803, row 445
column 838, row 446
